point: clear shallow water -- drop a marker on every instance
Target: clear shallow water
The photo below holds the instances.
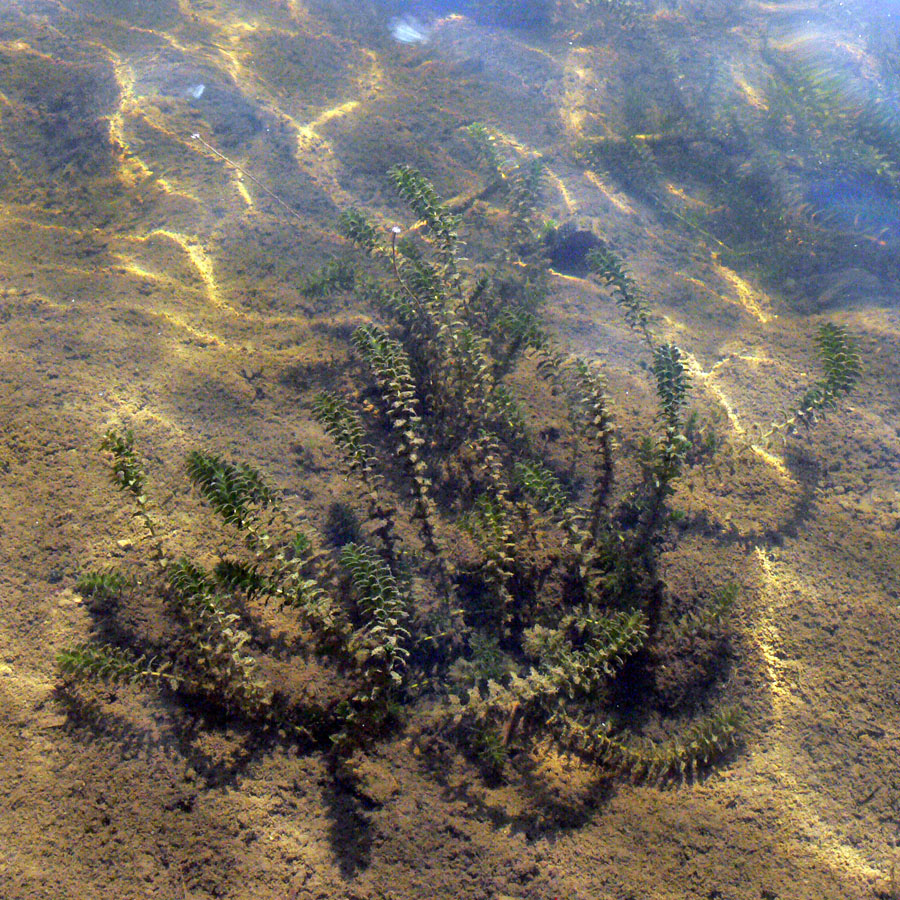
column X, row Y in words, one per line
column 740, row 159
column 409, row 30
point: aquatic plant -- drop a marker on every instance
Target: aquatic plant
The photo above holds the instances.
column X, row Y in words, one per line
column 101, row 586
column 493, row 592
column 840, row 358
column 781, row 173
column 620, row 13
column 334, row 276
column 610, row 268
column 127, row 472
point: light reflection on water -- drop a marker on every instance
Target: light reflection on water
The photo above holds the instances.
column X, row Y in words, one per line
column 409, row 30
column 270, row 102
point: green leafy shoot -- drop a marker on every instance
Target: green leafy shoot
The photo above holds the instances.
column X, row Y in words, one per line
column 128, row 471
column 841, row 361
column 233, row 490
column 112, row 665
column 102, row 585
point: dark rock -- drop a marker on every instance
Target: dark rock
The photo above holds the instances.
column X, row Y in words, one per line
column 569, row 246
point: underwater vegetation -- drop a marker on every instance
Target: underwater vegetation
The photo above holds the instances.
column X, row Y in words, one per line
column 498, row 590
column 780, row 168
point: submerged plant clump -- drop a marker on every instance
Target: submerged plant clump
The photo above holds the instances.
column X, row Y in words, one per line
column 499, row 591
column 777, row 172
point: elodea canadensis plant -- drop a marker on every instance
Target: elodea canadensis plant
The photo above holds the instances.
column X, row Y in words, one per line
column 499, row 591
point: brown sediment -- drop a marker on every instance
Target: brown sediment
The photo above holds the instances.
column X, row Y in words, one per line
column 144, row 284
